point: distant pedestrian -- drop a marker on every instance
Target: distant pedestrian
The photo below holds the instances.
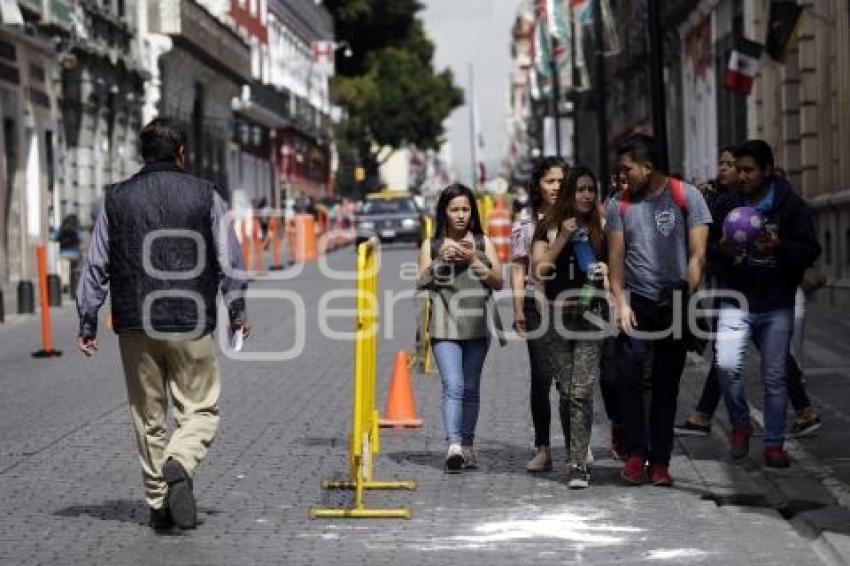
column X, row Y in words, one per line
column 459, row 268
column 546, row 183
column 657, row 231
column 568, row 262
column 164, row 311
column 767, row 272
column 69, row 237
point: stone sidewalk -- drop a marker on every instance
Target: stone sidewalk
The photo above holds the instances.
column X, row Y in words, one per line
column 72, row 488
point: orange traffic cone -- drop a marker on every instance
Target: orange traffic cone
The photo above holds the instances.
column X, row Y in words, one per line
column 401, row 409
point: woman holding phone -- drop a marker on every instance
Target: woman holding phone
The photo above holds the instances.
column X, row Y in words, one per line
column 459, row 268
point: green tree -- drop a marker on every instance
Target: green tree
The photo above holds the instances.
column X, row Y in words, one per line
column 391, row 93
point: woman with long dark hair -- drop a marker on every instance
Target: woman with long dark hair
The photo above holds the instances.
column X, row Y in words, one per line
column 459, row 268
column 567, row 259
column 545, row 184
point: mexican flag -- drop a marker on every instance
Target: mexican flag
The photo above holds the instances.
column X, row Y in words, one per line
column 743, row 66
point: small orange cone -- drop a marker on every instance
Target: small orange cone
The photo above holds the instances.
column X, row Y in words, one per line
column 401, row 410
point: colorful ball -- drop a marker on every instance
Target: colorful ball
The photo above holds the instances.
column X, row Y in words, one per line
column 743, row 225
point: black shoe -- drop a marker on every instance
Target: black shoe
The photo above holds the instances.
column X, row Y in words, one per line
column 689, row 428
column 160, row 519
column 578, row 477
column 454, row 460
column 180, row 500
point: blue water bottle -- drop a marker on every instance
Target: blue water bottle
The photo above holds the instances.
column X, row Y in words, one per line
column 586, row 260
column 583, row 250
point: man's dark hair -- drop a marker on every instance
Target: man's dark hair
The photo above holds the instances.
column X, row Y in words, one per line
column 730, row 148
column 641, row 147
column 161, row 140
column 759, row 150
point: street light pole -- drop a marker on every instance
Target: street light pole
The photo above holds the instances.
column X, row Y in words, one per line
column 556, row 96
column 656, row 81
column 473, row 142
column 601, row 93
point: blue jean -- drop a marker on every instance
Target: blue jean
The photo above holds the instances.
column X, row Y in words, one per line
column 771, row 333
column 460, row 363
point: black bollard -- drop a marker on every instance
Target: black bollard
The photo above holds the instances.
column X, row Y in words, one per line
column 26, row 297
column 2, row 308
column 54, row 290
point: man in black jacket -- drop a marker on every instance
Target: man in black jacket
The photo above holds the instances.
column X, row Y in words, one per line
column 162, row 248
column 767, row 274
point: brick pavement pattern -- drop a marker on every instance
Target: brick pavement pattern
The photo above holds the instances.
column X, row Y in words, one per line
column 72, row 492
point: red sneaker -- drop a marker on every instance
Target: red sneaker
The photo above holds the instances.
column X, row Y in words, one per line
column 659, row 474
column 739, row 441
column 634, row 472
column 776, row 457
column 618, row 442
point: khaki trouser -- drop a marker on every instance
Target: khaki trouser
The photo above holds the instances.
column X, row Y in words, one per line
column 188, row 370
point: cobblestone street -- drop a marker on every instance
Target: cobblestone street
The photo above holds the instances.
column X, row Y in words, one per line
column 72, row 488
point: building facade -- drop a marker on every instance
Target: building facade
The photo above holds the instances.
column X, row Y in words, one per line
column 29, row 110
column 801, row 107
column 102, row 91
column 197, row 79
column 523, row 131
column 248, row 80
column 301, row 54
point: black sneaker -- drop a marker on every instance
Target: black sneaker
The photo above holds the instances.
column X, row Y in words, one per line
column 804, row 427
column 180, row 500
column 578, row 477
column 689, row 428
column 160, row 519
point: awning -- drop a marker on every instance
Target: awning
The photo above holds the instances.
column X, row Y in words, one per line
column 10, row 13
column 272, row 115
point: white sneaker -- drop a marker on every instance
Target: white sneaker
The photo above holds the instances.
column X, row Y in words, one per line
column 469, row 462
column 454, row 459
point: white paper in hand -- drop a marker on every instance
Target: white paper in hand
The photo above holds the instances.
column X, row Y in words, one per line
column 237, row 338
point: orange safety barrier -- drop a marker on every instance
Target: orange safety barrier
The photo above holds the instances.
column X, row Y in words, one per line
column 47, row 350
column 245, row 243
column 257, row 242
column 304, row 239
column 274, row 240
column 499, row 231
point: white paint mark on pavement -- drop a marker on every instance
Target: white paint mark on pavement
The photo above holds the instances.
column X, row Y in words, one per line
column 584, row 529
column 675, row 553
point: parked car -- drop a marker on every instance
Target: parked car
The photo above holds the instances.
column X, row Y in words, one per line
column 391, row 216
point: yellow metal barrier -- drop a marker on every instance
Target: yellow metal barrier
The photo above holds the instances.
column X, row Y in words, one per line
column 364, row 442
column 427, row 227
column 422, row 361
column 485, row 206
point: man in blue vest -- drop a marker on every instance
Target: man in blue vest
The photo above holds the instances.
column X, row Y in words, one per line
column 162, row 249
